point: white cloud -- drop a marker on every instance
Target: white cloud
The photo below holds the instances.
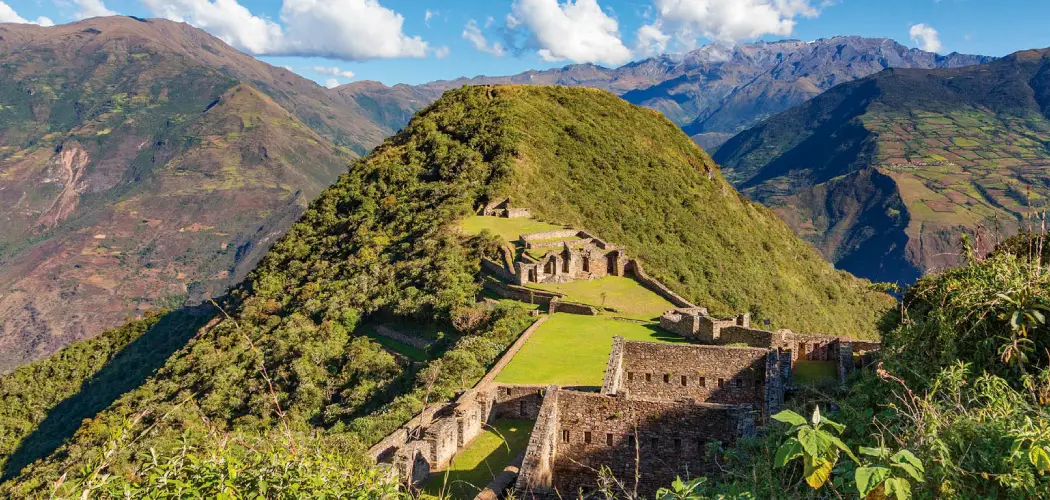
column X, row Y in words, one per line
column 430, row 14
column 472, row 33
column 8, row 15
column 351, row 30
column 226, row 19
column 334, row 71
column 331, row 83
column 442, row 52
column 577, row 30
column 730, row 21
column 91, row 8
column 925, row 37
column 651, row 39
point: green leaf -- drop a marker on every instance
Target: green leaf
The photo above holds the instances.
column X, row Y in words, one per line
column 835, row 425
column 898, row 487
column 1039, row 458
column 874, row 452
column 842, row 446
column 909, row 457
column 789, row 417
column 816, row 471
column 869, row 478
column 790, row 450
column 1038, row 316
column 1015, row 319
column 910, row 470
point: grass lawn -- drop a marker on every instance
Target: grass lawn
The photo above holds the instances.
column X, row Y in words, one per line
column 621, row 293
column 571, row 349
column 809, row 372
column 482, row 459
column 411, row 352
column 508, row 229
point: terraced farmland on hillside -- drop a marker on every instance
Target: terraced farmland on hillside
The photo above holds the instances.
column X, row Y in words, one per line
column 963, row 166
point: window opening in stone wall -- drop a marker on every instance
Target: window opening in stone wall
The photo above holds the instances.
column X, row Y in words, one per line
column 630, row 440
column 685, row 380
column 677, row 445
column 565, row 435
column 609, row 439
column 703, row 382
column 654, row 442
column 630, row 376
column 667, row 378
column 721, row 383
column 648, row 377
column 586, row 265
column 506, row 390
column 587, row 437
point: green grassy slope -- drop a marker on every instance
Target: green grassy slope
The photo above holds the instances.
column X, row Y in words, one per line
column 290, row 361
column 632, row 177
column 891, row 168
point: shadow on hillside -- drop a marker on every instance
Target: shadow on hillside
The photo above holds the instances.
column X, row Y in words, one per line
column 125, row 372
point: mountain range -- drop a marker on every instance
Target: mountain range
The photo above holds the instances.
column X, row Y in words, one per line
column 884, row 174
column 712, row 92
column 146, row 163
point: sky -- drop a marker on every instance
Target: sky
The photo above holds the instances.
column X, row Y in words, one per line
column 336, row 42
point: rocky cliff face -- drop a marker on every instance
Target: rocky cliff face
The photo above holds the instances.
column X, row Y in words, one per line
column 140, row 169
column 897, row 167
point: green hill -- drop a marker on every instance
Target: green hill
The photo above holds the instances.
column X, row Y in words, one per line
column 884, row 173
column 292, row 361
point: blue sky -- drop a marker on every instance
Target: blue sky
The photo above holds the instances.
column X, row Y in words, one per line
column 414, row 41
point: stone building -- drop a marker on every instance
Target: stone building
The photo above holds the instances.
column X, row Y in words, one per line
column 503, row 208
column 697, row 325
column 661, row 404
column 569, row 255
column 578, row 433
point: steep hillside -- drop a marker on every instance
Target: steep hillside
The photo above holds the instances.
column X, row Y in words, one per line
column 293, row 361
column 712, row 92
column 135, row 173
column 893, row 168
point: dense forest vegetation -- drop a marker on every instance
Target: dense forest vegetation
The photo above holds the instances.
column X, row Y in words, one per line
column 286, row 367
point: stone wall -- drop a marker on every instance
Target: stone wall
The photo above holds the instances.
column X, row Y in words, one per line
column 390, row 333
column 552, row 235
column 497, row 270
column 614, row 368
column 732, row 375
column 521, row 294
column 634, row 268
column 581, row 432
column 518, row 402
column 572, row 308
column 733, row 334
column 537, row 465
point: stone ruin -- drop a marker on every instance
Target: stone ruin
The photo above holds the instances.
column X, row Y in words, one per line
column 569, row 255
column 661, row 404
column 503, row 208
column 697, row 325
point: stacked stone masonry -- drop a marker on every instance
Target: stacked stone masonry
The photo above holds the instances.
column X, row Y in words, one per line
column 577, row 433
column 503, row 208
column 697, row 325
